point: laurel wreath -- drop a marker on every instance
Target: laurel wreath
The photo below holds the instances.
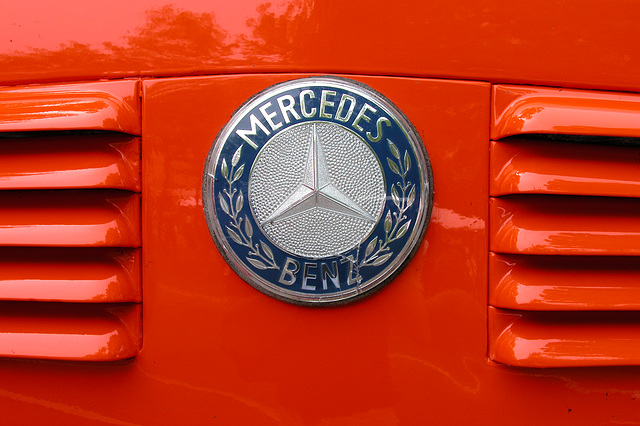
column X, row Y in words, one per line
column 403, row 194
column 239, row 233
column 377, row 252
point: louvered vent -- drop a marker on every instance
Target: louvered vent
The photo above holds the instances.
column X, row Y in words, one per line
column 70, row 228
column 564, row 282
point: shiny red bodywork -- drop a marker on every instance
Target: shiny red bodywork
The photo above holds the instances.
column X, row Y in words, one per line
column 570, row 43
column 71, row 222
column 431, row 347
column 113, row 106
column 564, row 227
column 523, row 110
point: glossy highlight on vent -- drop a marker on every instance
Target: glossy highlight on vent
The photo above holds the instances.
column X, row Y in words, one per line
column 564, row 270
column 70, row 221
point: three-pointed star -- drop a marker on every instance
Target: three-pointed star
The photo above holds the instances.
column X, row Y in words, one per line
column 316, row 191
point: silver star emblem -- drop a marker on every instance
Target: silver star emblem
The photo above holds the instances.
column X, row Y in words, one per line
column 316, row 191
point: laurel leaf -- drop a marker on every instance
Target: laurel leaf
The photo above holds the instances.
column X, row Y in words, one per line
column 395, row 196
column 387, row 222
column 225, row 169
column 393, row 166
column 238, row 174
column 224, row 205
column 248, row 229
column 412, row 196
column 239, row 201
column 236, row 156
column 266, row 250
column 234, row 236
column 258, row 264
column 394, row 149
column 370, row 247
column 407, row 161
column 403, row 229
column 382, row 259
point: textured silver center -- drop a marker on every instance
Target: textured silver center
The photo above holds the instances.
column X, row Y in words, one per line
column 316, row 189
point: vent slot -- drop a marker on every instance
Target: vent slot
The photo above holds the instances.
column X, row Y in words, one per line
column 545, row 167
column 547, row 283
column 103, row 106
column 73, row 332
column 535, row 224
column 70, row 275
column 564, row 272
column 70, row 221
column 70, row 218
column 103, row 160
column 564, row 339
column 530, row 110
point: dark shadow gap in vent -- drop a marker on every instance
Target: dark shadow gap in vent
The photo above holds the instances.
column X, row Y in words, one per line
column 54, row 133
column 578, row 139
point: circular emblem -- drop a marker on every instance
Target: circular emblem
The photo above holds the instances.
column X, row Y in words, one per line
column 318, row 191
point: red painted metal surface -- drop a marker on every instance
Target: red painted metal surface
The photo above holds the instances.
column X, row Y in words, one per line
column 560, row 339
column 553, row 283
column 214, row 349
column 549, row 167
column 113, row 106
column 70, row 162
column 213, row 346
column 570, row 43
column 564, row 228
column 70, row 275
column 54, row 140
column 255, row 358
column 70, row 218
column 78, row 332
column 565, row 225
column 523, row 110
